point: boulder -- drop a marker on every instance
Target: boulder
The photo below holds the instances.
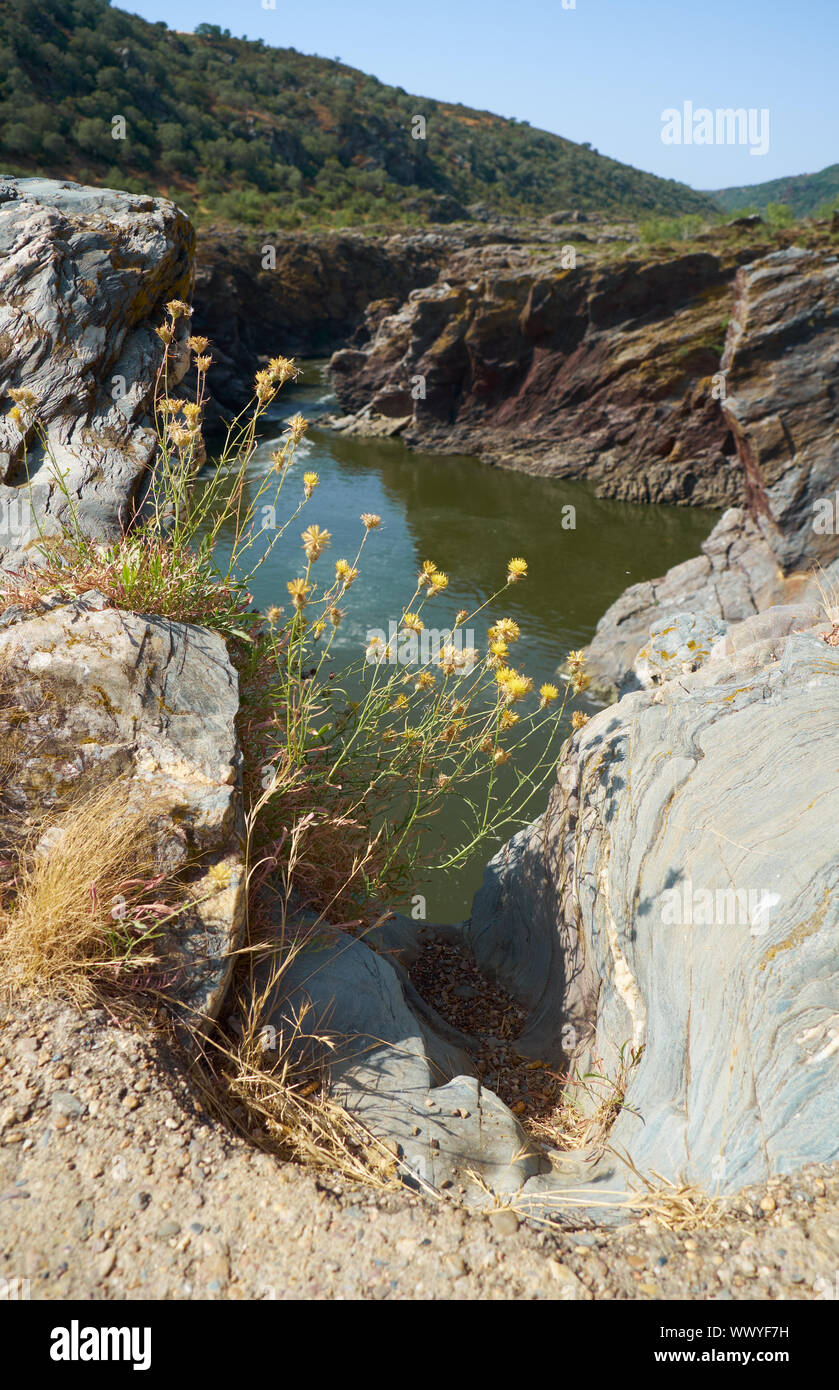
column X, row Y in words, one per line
column 93, row 695
column 396, row 1066
column 85, row 274
column 691, row 883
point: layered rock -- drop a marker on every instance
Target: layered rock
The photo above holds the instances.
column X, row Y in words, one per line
column 603, row 371
column 94, row 696
column 295, row 294
column 85, row 274
column 781, row 368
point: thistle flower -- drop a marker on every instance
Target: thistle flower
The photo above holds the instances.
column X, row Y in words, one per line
column 264, row 387
column 335, row 615
column 442, row 781
column 500, row 756
column 425, row 680
column 345, row 572
column 548, row 694
column 282, row 368
column 412, row 622
column 273, row 614
column 192, row 413
column 371, row 521
column 576, row 660
column 23, row 396
column 579, row 720
column 439, row 582
column 315, row 542
column 513, row 685
column 178, row 309
column 428, row 569
column 505, row 630
column 499, row 648
column 310, row 482
column 580, row 682
column 318, row 628
column 198, row 345
column 203, row 363
column 296, row 428
column 508, row 719
column 179, row 435
column 376, row 651
column 401, row 702
column 516, row 570
column 460, row 617
column 164, row 333
column 220, row 876
column 299, row 590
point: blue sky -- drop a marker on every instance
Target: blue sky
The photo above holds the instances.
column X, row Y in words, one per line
column 603, row 71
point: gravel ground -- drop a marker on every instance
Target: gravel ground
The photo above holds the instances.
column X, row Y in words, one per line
column 114, row 1184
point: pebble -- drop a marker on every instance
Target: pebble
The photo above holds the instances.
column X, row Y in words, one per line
column 504, row 1223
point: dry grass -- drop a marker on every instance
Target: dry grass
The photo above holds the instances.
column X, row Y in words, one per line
column 270, row 1083
column 78, row 914
column 676, row 1206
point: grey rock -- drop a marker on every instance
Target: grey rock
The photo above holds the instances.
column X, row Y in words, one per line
column 65, row 1103
column 392, row 1072
column 780, row 363
column 687, row 859
column 96, row 695
column 85, row 274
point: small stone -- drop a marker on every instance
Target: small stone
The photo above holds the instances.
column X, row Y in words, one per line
column 66, row 1104
column 106, row 1264
column 649, row 1290
column 167, row 1229
column 571, row 1289
column 768, row 1204
column 504, row 1223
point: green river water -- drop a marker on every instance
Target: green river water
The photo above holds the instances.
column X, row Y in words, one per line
column 469, row 519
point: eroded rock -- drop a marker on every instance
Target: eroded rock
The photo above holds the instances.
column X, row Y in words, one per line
column 85, row 274
column 93, row 695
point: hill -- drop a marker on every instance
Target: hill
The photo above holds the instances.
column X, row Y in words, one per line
column 235, row 129
column 803, row 193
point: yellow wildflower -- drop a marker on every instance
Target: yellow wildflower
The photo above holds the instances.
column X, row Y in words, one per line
column 296, row 428
column 548, row 694
column 371, row 521
column 315, row 542
column 310, row 482
column 516, row 570
column 505, row 630
column 578, row 719
column 413, row 622
column 299, row 590
column 345, row 572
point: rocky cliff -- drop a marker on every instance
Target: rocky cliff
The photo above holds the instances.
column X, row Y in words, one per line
column 85, row 274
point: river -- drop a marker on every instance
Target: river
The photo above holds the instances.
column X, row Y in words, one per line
column 470, row 519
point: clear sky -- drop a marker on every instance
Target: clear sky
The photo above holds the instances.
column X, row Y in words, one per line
column 603, row 71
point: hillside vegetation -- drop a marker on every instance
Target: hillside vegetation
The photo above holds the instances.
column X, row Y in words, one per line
column 802, row 193
column 235, row 129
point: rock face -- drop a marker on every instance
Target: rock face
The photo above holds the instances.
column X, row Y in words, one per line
column 600, row 371
column 782, row 366
column 93, row 695
column 701, row 883
column 85, row 274
column 290, row 294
